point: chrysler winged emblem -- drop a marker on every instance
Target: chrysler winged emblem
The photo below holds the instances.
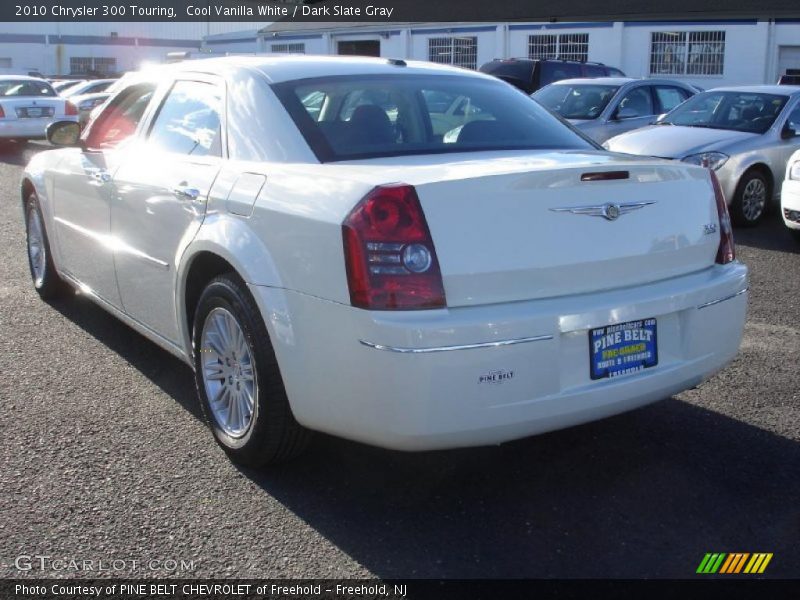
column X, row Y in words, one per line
column 610, row 211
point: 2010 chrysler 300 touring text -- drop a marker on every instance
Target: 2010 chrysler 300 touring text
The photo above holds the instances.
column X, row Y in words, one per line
column 332, row 246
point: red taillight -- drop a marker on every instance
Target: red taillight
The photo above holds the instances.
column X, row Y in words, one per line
column 726, row 252
column 389, row 254
column 2, row 113
column 70, row 109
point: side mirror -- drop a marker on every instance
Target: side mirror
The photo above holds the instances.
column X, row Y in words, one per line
column 626, row 113
column 64, row 133
column 788, row 132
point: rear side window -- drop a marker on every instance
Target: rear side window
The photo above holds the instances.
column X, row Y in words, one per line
column 23, row 88
column 367, row 117
column 669, row 97
column 120, row 119
column 594, row 70
column 188, row 121
column 556, row 71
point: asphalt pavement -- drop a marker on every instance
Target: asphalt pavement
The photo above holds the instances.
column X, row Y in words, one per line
column 104, row 458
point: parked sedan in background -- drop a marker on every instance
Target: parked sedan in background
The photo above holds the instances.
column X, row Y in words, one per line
column 90, row 86
column 62, row 85
column 28, row 105
column 790, row 196
column 294, row 229
column 86, row 103
column 608, row 106
column 746, row 134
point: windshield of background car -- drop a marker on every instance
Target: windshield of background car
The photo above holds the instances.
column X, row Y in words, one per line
column 352, row 117
column 584, row 101
column 23, row 88
column 738, row 111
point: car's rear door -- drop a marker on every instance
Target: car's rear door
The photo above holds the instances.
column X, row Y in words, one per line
column 162, row 189
column 84, row 191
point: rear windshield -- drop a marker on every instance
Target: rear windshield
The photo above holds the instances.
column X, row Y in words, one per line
column 580, row 101
column 352, row 117
column 13, row 88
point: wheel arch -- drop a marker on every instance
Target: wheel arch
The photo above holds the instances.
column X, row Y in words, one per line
column 764, row 169
column 209, row 255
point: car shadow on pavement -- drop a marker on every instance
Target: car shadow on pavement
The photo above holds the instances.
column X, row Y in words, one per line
column 770, row 234
column 19, row 153
column 643, row 494
column 169, row 373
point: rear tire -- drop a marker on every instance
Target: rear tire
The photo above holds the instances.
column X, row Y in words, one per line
column 46, row 280
column 751, row 199
column 241, row 391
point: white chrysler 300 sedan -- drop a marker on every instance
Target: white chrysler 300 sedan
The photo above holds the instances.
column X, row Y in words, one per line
column 294, row 229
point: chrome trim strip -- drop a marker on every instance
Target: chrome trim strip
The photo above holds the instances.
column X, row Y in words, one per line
column 713, row 302
column 537, row 338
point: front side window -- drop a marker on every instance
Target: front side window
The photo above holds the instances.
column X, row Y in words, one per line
column 120, row 119
column 368, row 117
column 576, row 101
column 739, row 111
column 188, row 121
column 636, row 103
column 22, row 88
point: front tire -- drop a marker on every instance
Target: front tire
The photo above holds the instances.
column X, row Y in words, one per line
column 750, row 200
column 45, row 278
column 241, row 391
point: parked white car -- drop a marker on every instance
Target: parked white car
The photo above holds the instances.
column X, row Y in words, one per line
column 293, row 228
column 28, row 105
column 90, row 86
column 790, row 196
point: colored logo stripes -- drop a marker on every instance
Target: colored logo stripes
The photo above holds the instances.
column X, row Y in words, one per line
column 735, row 562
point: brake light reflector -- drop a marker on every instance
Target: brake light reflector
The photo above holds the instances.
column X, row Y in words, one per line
column 70, row 109
column 389, row 254
column 726, row 252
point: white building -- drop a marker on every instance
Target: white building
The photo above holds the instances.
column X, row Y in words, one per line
column 82, row 47
column 708, row 53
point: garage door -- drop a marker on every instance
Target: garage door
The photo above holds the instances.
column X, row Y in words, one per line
column 788, row 58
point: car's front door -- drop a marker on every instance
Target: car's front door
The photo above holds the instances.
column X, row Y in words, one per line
column 162, row 189
column 84, row 191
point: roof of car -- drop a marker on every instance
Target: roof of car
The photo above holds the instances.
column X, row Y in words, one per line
column 283, row 67
column 29, row 78
column 618, row 81
column 783, row 90
column 606, row 80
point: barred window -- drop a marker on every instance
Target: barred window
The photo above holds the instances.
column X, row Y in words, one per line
column 82, row 65
column 289, row 48
column 687, row 52
column 456, row 51
column 566, row 46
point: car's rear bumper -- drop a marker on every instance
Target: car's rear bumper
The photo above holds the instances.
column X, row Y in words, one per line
column 790, row 203
column 416, row 380
column 28, row 128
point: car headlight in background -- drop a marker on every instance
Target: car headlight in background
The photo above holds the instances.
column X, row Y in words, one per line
column 794, row 170
column 712, row 160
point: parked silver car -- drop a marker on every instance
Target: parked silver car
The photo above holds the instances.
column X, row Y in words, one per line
column 608, row 106
column 746, row 134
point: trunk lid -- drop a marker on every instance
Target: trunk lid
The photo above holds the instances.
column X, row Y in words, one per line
column 521, row 232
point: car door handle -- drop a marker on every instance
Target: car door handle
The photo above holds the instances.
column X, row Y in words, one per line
column 186, row 193
column 101, row 176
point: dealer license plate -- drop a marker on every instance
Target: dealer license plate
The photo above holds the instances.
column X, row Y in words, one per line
column 623, row 348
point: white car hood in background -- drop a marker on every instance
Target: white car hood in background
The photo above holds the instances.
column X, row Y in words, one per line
column 674, row 141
